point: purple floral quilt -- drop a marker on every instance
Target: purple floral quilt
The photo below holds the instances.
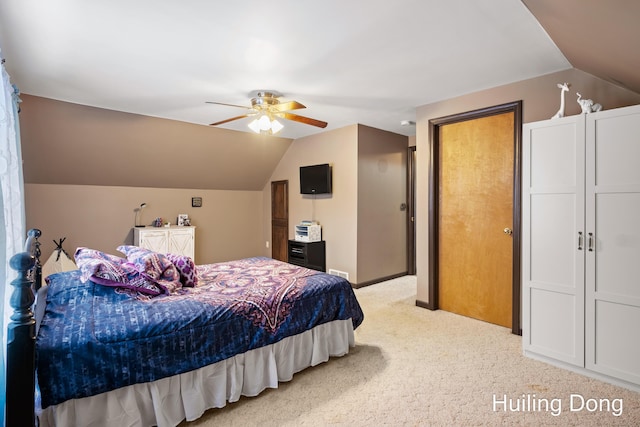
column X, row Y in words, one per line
column 95, row 338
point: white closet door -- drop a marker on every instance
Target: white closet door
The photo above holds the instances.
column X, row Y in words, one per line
column 553, row 239
column 613, row 264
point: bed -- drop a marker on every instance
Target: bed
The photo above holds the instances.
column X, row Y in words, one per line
column 158, row 352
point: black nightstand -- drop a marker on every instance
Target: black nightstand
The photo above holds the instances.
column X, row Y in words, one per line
column 307, row 254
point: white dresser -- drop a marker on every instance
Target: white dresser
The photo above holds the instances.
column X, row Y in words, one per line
column 581, row 243
column 174, row 239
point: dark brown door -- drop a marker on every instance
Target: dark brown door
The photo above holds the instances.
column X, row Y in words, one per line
column 279, row 219
column 476, row 201
column 411, row 211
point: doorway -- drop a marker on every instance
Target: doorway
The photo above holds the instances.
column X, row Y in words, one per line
column 280, row 220
column 474, row 214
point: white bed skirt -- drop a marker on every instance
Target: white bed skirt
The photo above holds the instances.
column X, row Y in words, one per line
column 169, row 401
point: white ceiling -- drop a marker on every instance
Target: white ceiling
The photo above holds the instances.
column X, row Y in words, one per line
column 349, row 61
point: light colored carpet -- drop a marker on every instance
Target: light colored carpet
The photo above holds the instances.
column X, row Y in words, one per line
column 415, row 367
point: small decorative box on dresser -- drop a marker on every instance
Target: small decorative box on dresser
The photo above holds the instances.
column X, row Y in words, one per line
column 307, row 254
column 175, row 240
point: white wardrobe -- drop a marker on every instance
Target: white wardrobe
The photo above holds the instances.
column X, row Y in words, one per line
column 581, row 243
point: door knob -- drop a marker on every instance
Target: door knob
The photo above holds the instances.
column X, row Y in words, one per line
column 507, row 231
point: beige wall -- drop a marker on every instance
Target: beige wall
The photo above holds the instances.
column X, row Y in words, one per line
column 228, row 225
column 541, row 100
column 337, row 212
column 64, row 143
column 364, row 229
column 382, row 188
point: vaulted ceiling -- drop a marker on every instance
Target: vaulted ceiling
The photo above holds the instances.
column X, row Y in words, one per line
column 359, row 61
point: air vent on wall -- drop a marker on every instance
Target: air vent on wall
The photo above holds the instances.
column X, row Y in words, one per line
column 342, row 274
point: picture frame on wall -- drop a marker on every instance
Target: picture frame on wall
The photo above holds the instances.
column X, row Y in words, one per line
column 183, row 219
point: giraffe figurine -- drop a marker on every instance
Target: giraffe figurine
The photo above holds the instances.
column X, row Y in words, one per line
column 564, row 87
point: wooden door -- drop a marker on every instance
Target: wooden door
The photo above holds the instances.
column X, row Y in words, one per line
column 279, row 219
column 475, row 218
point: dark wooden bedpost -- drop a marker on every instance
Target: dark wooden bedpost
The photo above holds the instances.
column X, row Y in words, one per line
column 21, row 338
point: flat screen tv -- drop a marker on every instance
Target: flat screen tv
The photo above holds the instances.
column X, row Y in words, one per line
column 315, row 179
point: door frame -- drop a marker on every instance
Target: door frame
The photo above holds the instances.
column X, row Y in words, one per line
column 411, row 210
column 434, row 185
column 285, row 221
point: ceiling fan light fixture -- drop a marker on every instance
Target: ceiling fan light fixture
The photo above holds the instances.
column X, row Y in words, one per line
column 265, row 105
column 254, row 126
column 264, row 124
column 276, row 127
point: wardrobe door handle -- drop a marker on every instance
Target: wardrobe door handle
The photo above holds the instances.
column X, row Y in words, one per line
column 590, row 242
column 580, row 240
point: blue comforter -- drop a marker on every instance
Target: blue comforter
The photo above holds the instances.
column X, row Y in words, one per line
column 94, row 338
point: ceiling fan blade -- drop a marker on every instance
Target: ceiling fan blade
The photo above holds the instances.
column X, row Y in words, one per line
column 229, row 120
column 287, row 106
column 229, row 105
column 302, row 119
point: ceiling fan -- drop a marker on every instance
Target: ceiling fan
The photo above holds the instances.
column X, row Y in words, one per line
column 266, row 108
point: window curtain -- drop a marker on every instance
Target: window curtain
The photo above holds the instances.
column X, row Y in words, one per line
column 11, row 210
